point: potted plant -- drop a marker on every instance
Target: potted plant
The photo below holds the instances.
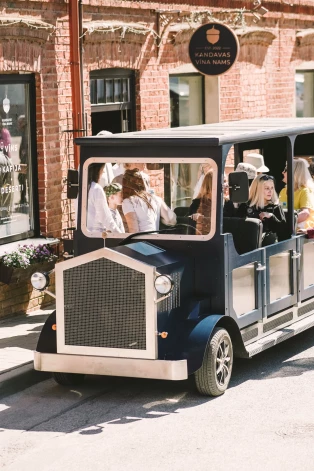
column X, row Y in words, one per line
column 20, row 264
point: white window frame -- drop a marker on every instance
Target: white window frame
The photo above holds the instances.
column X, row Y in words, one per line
column 120, row 160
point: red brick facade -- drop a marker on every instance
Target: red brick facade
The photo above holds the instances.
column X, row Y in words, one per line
column 260, row 84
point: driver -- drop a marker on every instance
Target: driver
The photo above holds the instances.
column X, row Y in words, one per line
column 143, row 210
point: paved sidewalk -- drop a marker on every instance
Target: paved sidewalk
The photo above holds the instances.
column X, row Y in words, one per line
column 18, row 339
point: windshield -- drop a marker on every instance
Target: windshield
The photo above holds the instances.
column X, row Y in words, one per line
column 124, row 196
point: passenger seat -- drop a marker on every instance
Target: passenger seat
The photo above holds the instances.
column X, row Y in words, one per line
column 247, row 233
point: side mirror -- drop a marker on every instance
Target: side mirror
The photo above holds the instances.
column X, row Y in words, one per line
column 72, row 184
column 238, row 187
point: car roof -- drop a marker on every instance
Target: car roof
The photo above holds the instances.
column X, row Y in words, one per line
column 215, row 134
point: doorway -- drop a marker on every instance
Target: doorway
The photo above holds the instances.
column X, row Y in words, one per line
column 112, row 93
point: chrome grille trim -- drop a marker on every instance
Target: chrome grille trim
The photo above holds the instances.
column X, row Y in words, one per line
column 304, row 309
column 173, row 300
column 277, row 321
column 249, row 334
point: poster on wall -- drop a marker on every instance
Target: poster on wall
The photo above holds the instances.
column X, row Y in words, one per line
column 213, row 49
column 14, row 161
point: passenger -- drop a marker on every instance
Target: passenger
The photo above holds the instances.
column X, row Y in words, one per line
column 230, row 208
column 134, row 166
column 201, row 207
column 114, row 198
column 202, row 170
column 247, row 168
column 303, row 194
column 107, row 175
column 143, row 210
column 263, row 205
column 257, row 160
column 99, row 217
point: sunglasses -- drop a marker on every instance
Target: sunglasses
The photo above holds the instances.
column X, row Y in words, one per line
column 264, row 178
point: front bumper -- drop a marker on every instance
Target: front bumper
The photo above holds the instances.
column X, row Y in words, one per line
column 108, row 366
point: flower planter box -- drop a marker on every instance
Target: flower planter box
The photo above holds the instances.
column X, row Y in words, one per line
column 9, row 275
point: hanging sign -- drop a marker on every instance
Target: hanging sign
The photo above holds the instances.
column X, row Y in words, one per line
column 213, row 49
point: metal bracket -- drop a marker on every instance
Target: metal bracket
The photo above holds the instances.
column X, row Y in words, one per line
column 295, row 255
column 50, row 293
column 73, row 130
column 163, row 297
column 260, row 267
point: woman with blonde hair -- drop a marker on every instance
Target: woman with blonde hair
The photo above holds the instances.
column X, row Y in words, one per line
column 303, row 194
column 201, row 207
column 263, row 204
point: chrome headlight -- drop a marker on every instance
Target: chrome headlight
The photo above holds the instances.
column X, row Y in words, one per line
column 40, row 281
column 163, row 284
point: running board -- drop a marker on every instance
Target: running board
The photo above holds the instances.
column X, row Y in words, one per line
column 280, row 335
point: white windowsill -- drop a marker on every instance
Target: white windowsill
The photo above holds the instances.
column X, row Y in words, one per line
column 8, row 248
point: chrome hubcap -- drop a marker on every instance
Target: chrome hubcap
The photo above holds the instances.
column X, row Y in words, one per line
column 223, row 361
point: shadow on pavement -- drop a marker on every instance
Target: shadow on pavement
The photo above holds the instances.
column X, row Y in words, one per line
column 23, row 320
column 272, row 363
column 28, row 340
column 44, row 406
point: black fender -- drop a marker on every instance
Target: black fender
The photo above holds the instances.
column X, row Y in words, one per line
column 202, row 333
column 47, row 342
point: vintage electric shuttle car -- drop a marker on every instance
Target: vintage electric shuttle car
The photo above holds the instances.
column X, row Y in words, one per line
column 178, row 302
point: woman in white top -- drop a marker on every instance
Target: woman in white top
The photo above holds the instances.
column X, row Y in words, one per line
column 143, row 210
column 99, row 217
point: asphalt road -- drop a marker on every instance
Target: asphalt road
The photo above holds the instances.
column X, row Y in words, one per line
column 265, row 421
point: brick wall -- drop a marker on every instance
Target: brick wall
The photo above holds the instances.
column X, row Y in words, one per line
column 260, row 84
column 21, row 297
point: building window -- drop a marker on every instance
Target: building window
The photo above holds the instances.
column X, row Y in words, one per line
column 304, row 93
column 112, row 95
column 186, row 99
column 108, row 91
column 186, row 109
column 17, row 157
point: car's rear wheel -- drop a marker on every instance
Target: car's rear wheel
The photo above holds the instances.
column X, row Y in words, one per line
column 212, row 379
column 68, row 379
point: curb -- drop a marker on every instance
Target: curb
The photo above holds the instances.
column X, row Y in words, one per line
column 16, row 371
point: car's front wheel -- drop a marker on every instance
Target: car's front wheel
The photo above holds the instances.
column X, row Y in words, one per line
column 212, row 379
column 68, row 379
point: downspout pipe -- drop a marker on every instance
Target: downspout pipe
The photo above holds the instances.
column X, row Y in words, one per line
column 81, row 63
column 75, row 67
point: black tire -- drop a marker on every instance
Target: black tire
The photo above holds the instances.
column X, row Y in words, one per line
column 68, row 379
column 212, row 379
